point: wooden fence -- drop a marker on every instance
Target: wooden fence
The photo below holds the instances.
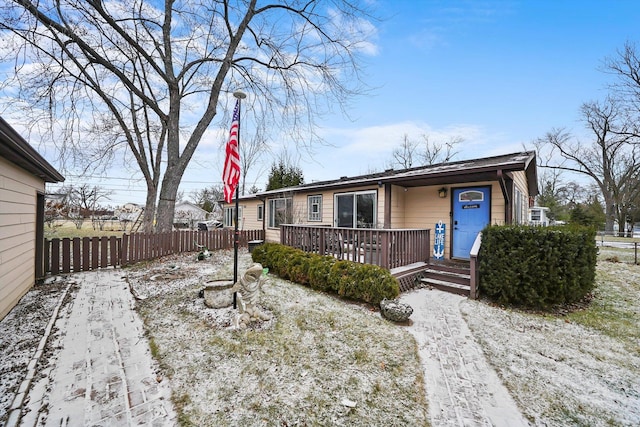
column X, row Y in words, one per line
column 90, row 253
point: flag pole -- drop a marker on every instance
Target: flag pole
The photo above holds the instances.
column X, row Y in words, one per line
column 236, row 237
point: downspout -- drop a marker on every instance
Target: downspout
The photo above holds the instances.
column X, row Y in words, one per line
column 508, row 209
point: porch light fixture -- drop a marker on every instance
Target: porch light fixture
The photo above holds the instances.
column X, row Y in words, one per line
column 442, row 193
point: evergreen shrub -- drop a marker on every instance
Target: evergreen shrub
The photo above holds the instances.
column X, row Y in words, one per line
column 537, row 267
column 362, row 282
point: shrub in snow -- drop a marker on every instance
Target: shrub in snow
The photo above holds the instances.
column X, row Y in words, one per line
column 537, row 267
column 363, row 282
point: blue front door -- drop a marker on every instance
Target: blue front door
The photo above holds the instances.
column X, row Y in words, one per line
column 470, row 215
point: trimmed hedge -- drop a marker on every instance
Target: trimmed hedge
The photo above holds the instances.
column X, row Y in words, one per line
column 362, row 282
column 537, row 267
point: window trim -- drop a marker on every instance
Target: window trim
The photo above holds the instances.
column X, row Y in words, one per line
column 354, row 194
column 270, row 216
column 229, row 215
column 314, row 216
column 260, row 213
column 518, row 202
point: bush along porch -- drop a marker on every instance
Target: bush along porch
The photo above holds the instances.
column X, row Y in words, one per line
column 524, row 266
column 537, row 267
column 351, row 280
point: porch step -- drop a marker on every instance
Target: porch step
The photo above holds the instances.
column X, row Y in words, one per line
column 453, row 276
column 454, row 288
column 449, row 277
column 406, row 275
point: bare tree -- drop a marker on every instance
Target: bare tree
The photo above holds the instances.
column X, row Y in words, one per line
column 625, row 65
column 439, row 152
column 148, row 78
column 251, row 152
column 405, row 153
column 83, row 201
column 611, row 160
column 208, row 198
column 425, row 152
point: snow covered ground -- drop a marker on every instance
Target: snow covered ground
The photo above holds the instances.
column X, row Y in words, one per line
column 573, row 368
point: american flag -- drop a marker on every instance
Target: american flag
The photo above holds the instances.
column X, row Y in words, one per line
column 231, row 173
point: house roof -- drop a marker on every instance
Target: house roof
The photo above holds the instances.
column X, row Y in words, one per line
column 17, row 150
column 189, row 205
column 476, row 170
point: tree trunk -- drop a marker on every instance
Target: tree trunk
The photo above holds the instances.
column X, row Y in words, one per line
column 167, row 201
column 149, row 210
column 610, row 215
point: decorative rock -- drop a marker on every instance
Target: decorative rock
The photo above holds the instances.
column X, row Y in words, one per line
column 218, row 294
column 395, row 310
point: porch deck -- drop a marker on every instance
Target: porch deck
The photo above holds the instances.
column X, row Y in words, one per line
column 404, row 252
column 388, row 248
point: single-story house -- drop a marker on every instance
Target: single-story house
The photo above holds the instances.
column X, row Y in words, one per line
column 23, row 174
column 464, row 196
column 187, row 215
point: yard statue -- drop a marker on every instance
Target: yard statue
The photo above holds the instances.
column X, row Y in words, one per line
column 248, row 289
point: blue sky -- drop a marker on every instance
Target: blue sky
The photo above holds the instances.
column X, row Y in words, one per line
column 497, row 73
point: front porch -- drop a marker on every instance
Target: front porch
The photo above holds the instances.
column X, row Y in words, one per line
column 387, row 248
column 404, row 252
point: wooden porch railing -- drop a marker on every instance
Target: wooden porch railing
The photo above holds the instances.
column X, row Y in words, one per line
column 474, row 267
column 388, row 248
column 89, row 253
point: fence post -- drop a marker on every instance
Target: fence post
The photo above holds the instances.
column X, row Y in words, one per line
column 66, row 255
column 86, row 247
column 46, row 260
column 77, row 264
column 55, row 256
column 385, row 250
column 113, row 258
column 124, row 249
column 103, row 252
column 95, row 248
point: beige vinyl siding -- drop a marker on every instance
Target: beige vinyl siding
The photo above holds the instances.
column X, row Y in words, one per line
column 300, row 209
column 398, row 198
column 520, row 182
column 330, row 198
column 18, row 190
column 250, row 215
column 423, row 208
column 413, row 207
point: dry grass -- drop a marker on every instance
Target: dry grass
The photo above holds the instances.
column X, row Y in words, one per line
column 579, row 369
column 303, row 368
column 62, row 229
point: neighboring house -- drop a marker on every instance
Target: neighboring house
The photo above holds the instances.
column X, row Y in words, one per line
column 539, row 215
column 23, row 174
column 465, row 195
column 187, row 215
column 131, row 209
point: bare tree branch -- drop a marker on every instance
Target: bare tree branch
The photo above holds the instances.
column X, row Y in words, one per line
column 133, row 78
